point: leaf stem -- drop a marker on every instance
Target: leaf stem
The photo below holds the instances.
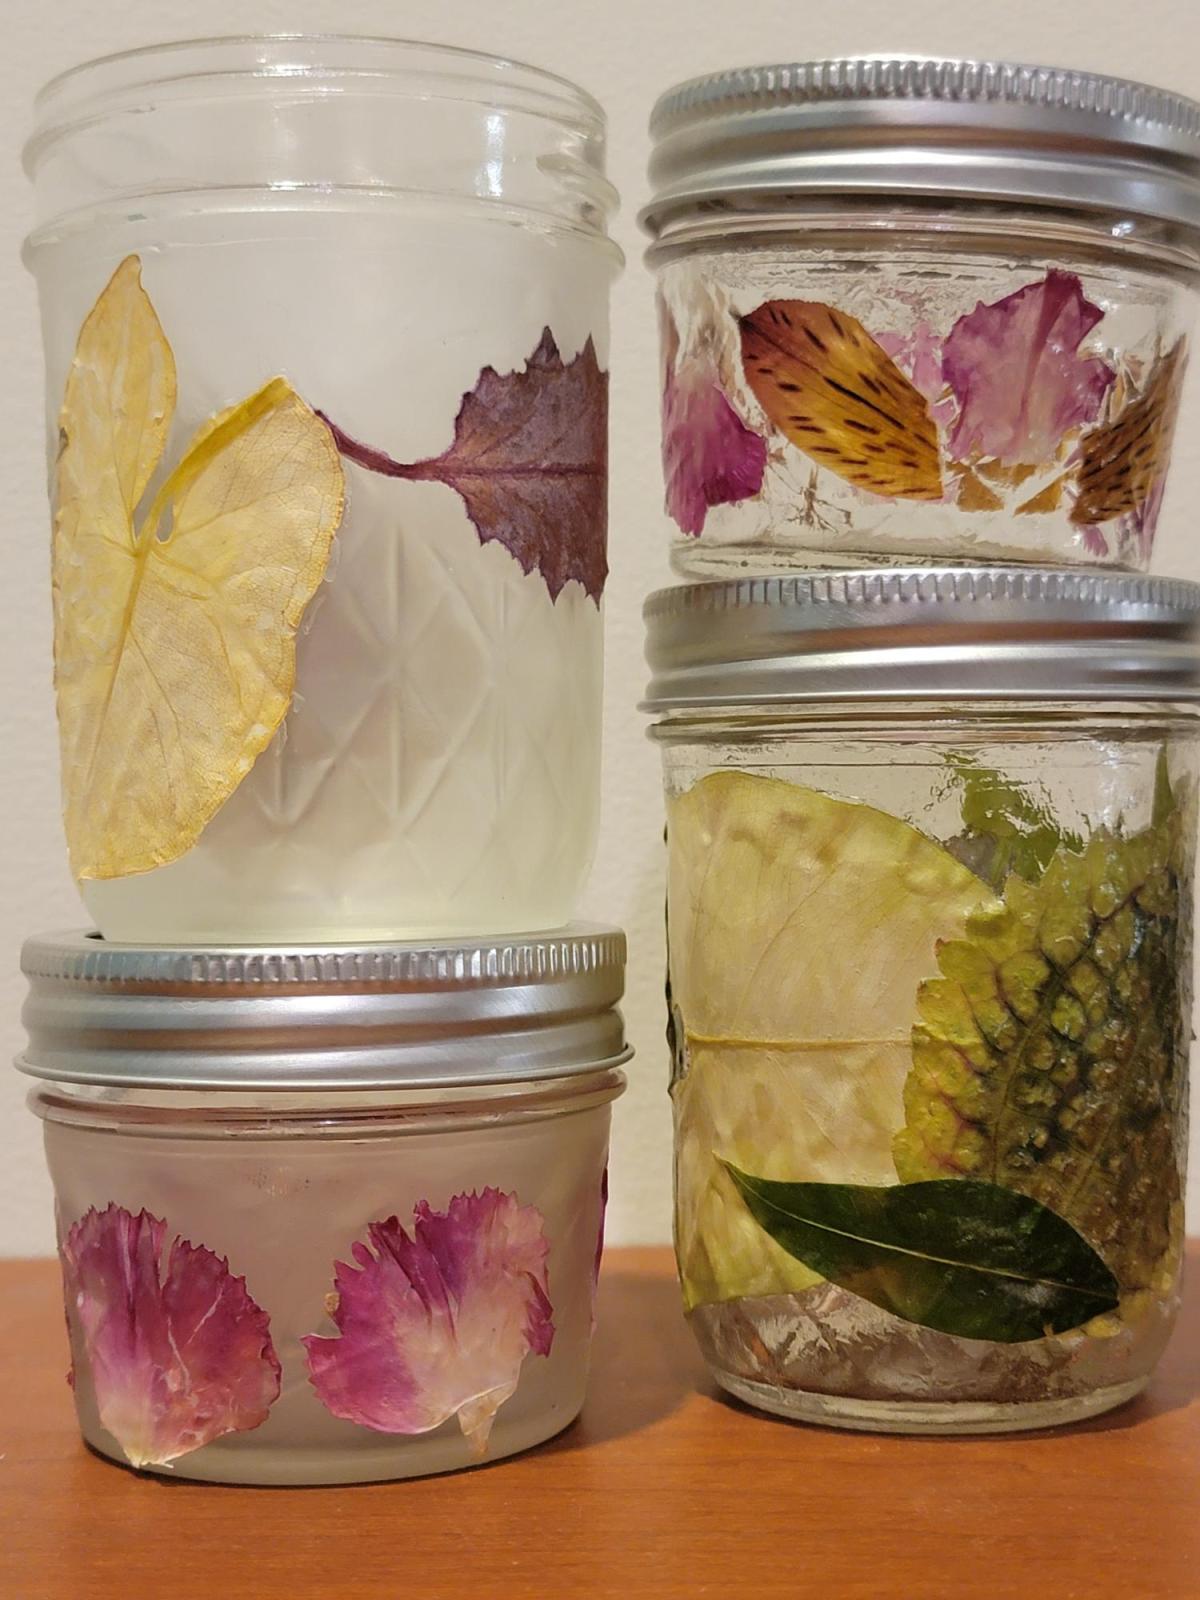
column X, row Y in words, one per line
column 374, row 460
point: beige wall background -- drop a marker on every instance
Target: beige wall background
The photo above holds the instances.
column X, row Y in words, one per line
column 625, row 51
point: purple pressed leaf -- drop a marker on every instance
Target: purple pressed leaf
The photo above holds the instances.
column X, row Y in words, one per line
column 436, row 1324
column 1015, row 370
column 178, row 1352
column 530, row 461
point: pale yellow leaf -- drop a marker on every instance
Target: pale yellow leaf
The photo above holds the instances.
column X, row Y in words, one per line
column 174, row 643
column 801, row 926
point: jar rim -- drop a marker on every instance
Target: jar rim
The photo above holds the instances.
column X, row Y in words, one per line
column 291, row 58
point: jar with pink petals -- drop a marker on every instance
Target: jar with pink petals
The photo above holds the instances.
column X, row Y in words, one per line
column 327, row 1216
column 920, row 310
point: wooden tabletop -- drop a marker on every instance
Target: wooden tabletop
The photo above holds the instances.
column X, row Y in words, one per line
column 662, row 1489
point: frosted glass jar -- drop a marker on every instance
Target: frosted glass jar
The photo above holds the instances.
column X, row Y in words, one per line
column 327, row 1216
column 930, row 986
column 920, row 310
column 413, row 238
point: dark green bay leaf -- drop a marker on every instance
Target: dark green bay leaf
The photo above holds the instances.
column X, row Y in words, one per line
column 961, row 1256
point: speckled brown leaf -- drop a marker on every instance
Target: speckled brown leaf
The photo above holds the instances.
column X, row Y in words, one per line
column 837, row 395
column 1123, row 461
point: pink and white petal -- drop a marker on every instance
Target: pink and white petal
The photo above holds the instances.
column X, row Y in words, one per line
column 1094, row 541
column 710, row 457
column 918, row 354
column 437, row 1324
column 178, row 1353
column 1015, row 370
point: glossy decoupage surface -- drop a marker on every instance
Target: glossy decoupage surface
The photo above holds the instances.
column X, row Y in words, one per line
column 930, row 996
column 915, row 396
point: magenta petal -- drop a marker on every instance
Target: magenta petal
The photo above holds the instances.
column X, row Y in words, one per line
column 437, row 1324
column 179, row 1353
column 710, row 456
column 1017, row 376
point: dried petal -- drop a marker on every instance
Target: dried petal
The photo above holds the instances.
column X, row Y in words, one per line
column 530, row 461
column 437, row 1324
column 1015, row 371
column 174, row 642
column 710, row 457
column 178, row 1352
column 918, row 354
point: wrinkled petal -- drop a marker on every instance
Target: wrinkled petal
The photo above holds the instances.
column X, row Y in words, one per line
column 178, row 1352
column 1015, row 370
column 918, row 354
column 437, row 1324
column 1094, row 541
column 710, row 457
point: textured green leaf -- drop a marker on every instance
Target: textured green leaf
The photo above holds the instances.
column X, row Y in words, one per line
column 966, row 1258
column 1050, row 1056
column 1005, row 828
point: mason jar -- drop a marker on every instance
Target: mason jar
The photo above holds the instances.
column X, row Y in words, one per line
column 326, row 335
column 327, row 1216
column 930, row 843
column 920, row 310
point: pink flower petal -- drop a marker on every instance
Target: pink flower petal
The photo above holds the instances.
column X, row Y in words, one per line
column 437, row 1325
column 918, row 354
column 1015, row 371
column 1094, row 541
column 179, row 1353
column 710, row 457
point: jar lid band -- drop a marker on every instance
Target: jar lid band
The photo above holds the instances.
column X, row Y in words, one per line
column 430, row 1015
column 923, row 127
column 923, row 634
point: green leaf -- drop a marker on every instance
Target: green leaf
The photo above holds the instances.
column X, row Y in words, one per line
column 966, row 1258
column 1050, row 1056
column 1005, row 829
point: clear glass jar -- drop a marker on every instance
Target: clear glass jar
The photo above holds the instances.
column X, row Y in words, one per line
column 904, row 320
column 930, row 1005
column 414, row 239
column 339, row 1283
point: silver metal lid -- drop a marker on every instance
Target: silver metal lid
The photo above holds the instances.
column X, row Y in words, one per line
column 930, row 633
column 917, row 127
column 434, row 1015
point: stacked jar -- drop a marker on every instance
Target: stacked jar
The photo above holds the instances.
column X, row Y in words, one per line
column 326, row 1105
column 930, row 743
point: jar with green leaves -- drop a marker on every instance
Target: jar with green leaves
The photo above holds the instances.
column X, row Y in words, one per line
column 930, row 841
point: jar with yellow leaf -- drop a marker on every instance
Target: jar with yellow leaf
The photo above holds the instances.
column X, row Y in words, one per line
column 920, row 310
column 326, row 335
column 930, row 855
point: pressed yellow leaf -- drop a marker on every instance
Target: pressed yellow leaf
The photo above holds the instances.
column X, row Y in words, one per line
column 838, row 396
column 175, row 642
column 801, row 928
